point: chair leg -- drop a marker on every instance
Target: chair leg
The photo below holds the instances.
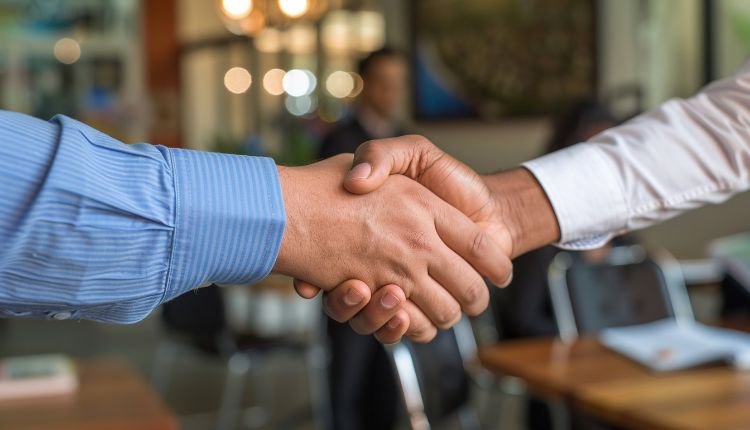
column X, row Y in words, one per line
column 406, row 374
column 560, row 415
column 490, row 402
column 505, row 394
column 258, row 415
column 230, row 410
column 166, row 357
column 468, row 418
column 317, row 376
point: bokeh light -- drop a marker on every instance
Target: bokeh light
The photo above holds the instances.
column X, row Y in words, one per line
column 301, row 38
column 370, row 31
column 340, row 84
column 294, row 8
column 269, row 41
column 237, row 9
column 359, row 84
column 336, row 34
column 67, row 50
column 237, row 80
column 272, row 82
column 299, row 106
column 298, row 82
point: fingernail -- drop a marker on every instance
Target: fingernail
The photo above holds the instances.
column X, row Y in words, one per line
column 353, row 298
column 360, row 171
column 389, row 301
column 394, row 323
column 506, row 283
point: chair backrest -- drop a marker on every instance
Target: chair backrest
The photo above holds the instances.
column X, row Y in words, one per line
column 629, row 288
column 433, row 376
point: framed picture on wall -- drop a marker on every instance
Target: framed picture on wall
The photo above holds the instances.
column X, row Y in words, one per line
column 494, row 59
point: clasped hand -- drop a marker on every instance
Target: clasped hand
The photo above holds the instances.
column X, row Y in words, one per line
column 399, row 243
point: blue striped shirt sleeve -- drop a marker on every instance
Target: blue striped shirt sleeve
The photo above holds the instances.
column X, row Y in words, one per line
column 91, row 228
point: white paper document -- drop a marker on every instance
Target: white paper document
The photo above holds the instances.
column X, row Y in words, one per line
column 671, row 345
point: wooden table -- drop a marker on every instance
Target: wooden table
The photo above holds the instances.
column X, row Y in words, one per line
column 111, row 396
column 620, row 392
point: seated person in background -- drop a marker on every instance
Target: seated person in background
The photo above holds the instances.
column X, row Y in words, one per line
column 524, row 308
column 363, row 389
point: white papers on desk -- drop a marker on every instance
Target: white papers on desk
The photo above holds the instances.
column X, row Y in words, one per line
column 671, row 345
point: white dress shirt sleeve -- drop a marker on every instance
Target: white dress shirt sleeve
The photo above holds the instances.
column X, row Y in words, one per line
column 684, row 154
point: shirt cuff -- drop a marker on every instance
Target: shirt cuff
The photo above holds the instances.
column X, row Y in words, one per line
column 229, row 219
column 585, row 193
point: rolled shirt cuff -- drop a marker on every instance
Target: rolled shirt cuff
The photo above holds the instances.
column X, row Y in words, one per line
column 230, row 219
column 585, row 193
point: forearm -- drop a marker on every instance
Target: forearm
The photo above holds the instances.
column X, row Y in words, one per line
column 679, row 156
column 522, row 205
column 95, row 229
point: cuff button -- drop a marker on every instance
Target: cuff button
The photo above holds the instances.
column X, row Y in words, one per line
column 61, row 315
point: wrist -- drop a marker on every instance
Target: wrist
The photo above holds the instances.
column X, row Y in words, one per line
column 522, row 206
column 292, row 231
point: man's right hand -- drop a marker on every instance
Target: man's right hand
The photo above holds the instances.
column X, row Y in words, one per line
column 510, row 206
column 400, row 234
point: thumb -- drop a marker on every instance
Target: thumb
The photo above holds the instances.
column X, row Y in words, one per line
column 375, row 160
column 419, row 159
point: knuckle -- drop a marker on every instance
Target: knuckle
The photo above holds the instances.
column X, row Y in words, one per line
column 368, row 147
column 480, row 304
column 421, row 141
column 404, row 274
column 475, row 297
column 479, row 245
column 419, row 329
column 418, row 241
column 449, row 317
column 414, row 199
column 423, row 336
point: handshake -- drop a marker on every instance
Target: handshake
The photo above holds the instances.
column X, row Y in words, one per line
column 399, row 236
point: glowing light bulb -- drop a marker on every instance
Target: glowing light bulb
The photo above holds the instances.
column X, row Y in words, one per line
column 237, row 80
column 294, row 8
column 237, row 9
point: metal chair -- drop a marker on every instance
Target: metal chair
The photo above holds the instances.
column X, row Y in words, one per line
column 435, row 378
column 196, row 321
column 629, row 288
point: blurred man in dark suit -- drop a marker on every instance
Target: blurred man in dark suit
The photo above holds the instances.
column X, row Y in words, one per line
column 375, row 114
column 363, row 389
